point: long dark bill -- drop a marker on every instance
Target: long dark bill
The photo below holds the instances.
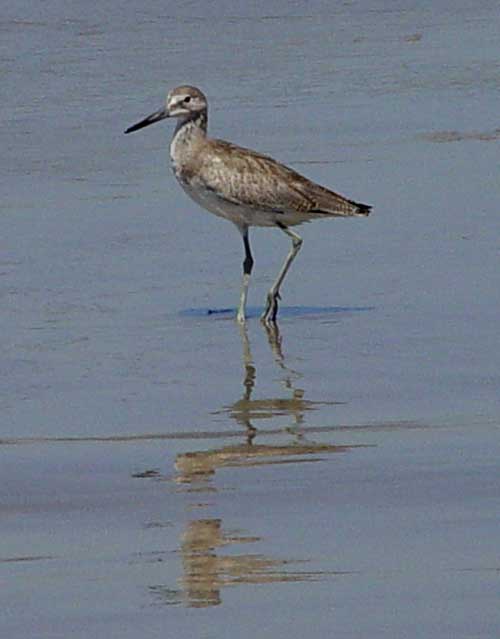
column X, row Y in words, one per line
column 151, row 119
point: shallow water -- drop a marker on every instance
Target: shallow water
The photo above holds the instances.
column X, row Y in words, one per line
column 163, row 470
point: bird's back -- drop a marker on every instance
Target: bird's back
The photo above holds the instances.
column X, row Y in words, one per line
column 258, row 183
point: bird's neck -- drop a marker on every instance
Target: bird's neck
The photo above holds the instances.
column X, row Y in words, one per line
column 192, row 125
column 189, row 132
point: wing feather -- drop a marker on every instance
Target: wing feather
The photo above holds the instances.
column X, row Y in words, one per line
column 244, row 177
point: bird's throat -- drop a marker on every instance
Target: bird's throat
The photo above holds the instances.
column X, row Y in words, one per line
column 189, row 132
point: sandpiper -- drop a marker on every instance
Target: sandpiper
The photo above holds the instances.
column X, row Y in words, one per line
column 245, row 187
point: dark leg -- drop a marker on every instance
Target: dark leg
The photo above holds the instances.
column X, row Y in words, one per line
column 247, row 270
column 248, row 261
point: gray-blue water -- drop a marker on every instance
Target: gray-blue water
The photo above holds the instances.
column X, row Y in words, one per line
column 162, row 471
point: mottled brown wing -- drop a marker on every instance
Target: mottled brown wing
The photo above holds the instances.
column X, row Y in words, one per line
column 245, row 177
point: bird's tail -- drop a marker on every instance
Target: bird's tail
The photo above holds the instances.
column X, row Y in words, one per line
column 337, row 206
column 360, row 209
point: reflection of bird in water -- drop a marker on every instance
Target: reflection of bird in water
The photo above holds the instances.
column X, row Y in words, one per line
column 246, row 410
column 199, row 467
column 206, row 570
column 196, row 468
column 243, row 186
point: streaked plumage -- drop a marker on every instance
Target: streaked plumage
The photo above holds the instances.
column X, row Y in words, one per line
column 243, row 186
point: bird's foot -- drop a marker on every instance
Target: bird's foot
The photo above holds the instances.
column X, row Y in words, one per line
column 271, row 310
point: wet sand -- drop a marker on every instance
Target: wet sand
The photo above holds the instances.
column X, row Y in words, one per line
column 165, row 472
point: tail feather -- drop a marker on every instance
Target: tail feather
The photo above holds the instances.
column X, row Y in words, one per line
column 327, row 202
column 361, row 209
column 341, row 207
column 318, row 200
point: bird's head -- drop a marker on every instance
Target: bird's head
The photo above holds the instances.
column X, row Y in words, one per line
column 182, row 102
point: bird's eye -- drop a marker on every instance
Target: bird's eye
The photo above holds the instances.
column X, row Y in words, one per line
column 187, row 99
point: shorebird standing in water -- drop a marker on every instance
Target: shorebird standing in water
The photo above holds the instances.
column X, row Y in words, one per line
column 243, row 186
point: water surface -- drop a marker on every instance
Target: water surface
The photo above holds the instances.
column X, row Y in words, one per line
column 164, row 471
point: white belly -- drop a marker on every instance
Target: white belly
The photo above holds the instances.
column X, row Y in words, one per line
column 240, row 215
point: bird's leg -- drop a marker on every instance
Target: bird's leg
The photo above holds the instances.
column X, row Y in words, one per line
column 271, row 310
column 247, row 270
